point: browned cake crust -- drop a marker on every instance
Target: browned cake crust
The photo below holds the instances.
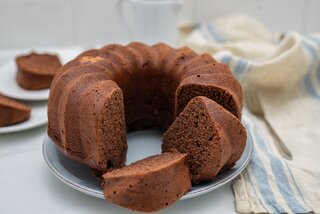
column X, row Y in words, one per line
column 213, row 138
column 155, row 82
column 12, row 112
column 36, row 71
column 150, row 184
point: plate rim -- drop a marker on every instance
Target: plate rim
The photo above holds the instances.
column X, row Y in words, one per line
column 188, row 195
column 22, row 127
column 58, row 175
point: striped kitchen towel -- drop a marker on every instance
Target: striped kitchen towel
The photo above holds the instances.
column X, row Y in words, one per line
column 280, row 76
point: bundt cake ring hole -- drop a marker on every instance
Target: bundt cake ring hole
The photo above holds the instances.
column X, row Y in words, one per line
column 148, row 141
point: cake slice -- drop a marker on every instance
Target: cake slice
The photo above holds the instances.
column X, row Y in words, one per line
column 36, row 71
column 12, row 112
column 150, row 184
column 220, row 86
column 212, row 137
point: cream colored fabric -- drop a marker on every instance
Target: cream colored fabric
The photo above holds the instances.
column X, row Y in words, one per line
column 280, row 76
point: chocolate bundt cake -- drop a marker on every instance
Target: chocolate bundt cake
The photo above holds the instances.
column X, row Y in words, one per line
column 213, row 138
column 102, row 92
column 12, row 112
column 36, row 71
column 150, row 184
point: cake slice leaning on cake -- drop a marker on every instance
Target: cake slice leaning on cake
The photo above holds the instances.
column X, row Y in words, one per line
column 213, row 138
column 12, row 112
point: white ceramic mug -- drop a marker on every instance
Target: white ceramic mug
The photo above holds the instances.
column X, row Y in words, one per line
column 151, row 21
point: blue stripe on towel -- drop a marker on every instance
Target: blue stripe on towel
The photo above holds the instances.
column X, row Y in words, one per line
column 279, row 174
column 240, row 67
column 318, row 73
column 297, row 187
column 313, row 38
column 262, row 178
column 214, row 34
column 260, row 174
column 317, row 41
column 226, row 59
column 308, row 78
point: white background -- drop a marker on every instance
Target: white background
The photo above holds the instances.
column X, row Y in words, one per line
column 37, row 23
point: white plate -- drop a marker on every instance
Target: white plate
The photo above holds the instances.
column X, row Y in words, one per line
column 141, row 144
column 38, row 117
column 10, row 87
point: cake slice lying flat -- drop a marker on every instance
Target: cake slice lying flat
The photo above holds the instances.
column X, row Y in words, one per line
column 213, row 138
column 12, row 112
column 150, row 184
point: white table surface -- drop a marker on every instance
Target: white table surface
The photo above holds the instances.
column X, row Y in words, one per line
column 27, row 185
